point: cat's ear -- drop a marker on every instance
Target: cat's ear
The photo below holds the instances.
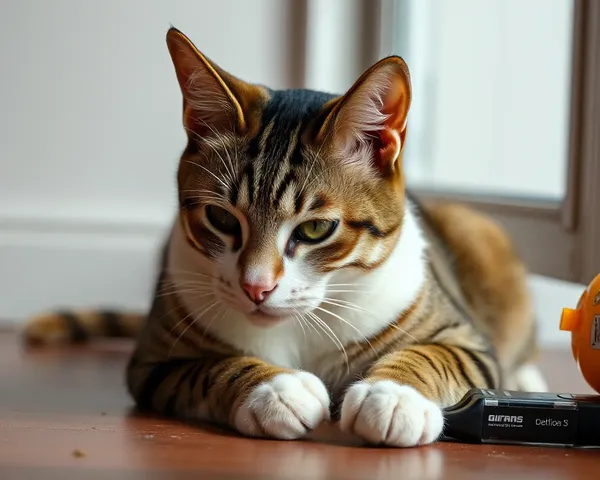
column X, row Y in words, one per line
column 214, row 101
column 373, row 114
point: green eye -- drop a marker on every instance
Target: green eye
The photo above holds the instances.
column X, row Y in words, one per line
column 222, row 220
column 314, row 231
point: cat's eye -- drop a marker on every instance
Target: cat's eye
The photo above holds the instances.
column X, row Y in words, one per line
column 222, row 220
column 314, row 231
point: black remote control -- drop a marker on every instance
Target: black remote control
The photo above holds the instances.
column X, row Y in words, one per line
column 508, row 417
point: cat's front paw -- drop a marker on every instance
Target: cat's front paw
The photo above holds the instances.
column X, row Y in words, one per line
column 286, row 407
column 386, row 413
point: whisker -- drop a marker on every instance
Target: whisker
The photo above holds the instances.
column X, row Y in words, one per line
column 197, row 190
column 299, row 319
column 315, row 157
column 334, row 338
column 314, row 180
column 404, row 332
column 194, row 320
column 194, row 281
column 205, row 192
column 229, row 175
column 202, row 282
column 207, row 196
column 198, row 284
column 187, row 290
column 201, row 287
column 229, row 172
column 309, row 324
column 358, row 308
column 229, row 168
column 198, row 200
column 210, row 173
column 189, row 272
column 349, row 291
column 349, row 324
column 188, row 315
column 348, row 305
column 226, row 150
column 221, row 310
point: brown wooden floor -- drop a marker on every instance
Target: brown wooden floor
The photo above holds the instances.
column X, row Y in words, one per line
column 65, row 414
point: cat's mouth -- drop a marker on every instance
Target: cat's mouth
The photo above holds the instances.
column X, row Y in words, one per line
column 267, row 316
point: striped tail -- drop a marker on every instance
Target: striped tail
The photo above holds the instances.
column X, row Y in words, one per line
column 71, row 327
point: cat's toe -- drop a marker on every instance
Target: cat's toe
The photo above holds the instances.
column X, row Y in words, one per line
column 286, row 407
column 386, row 413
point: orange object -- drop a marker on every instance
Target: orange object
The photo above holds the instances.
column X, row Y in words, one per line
column 584, row 324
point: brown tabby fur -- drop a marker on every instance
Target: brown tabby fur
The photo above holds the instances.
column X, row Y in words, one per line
column 472, row 324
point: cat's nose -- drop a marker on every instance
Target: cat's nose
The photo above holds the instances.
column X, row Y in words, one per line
column 258, row 292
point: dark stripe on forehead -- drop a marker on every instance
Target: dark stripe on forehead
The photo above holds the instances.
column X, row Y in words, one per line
column 283, row 141
column 234, row 192
column 249, row 173
column 294, row 105
column 277, row 145
column 283, row 186
column 370, row 227
column 319, row 202
column 271, row 156
column 257, row 143
column 297, row 158
column 254, row 147
column 299, row 201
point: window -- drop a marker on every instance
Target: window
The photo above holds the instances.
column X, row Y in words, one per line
column 506, row 103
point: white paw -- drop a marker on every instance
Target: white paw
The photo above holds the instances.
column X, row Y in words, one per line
column 288, row 406
column 386, row 413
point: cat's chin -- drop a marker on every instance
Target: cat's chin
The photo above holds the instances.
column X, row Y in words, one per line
column 263, row 320
column 268, row 317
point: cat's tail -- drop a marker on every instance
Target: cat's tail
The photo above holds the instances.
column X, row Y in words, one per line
column 79, row 326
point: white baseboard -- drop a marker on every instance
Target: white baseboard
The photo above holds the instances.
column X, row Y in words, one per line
column 81, row 263
column 87, row 263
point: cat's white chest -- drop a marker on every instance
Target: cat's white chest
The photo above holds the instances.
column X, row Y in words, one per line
column 317, row 346
column 290, row 344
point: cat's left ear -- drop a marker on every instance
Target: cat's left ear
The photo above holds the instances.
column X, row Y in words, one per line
column 373, row 113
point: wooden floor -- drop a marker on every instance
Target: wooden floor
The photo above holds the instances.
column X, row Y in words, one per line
column 65, row 414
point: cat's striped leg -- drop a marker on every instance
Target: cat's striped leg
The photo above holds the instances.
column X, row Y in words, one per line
column 399, row 401
column 255, row 398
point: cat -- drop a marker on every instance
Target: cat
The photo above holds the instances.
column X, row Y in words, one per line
column 303, row 283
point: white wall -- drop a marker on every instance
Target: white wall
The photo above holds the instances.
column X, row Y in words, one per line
column 90, row 135
column 90, row 132
column 90, row 106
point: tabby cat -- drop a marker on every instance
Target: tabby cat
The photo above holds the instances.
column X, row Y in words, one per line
column 300, row 280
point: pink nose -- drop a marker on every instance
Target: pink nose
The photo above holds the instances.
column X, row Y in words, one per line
column 258, row 292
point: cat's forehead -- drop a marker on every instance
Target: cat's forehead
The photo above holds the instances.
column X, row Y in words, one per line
column 294, row 105
column 279, row 171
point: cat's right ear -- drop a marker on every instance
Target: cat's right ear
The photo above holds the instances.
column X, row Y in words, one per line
column 214, row 101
